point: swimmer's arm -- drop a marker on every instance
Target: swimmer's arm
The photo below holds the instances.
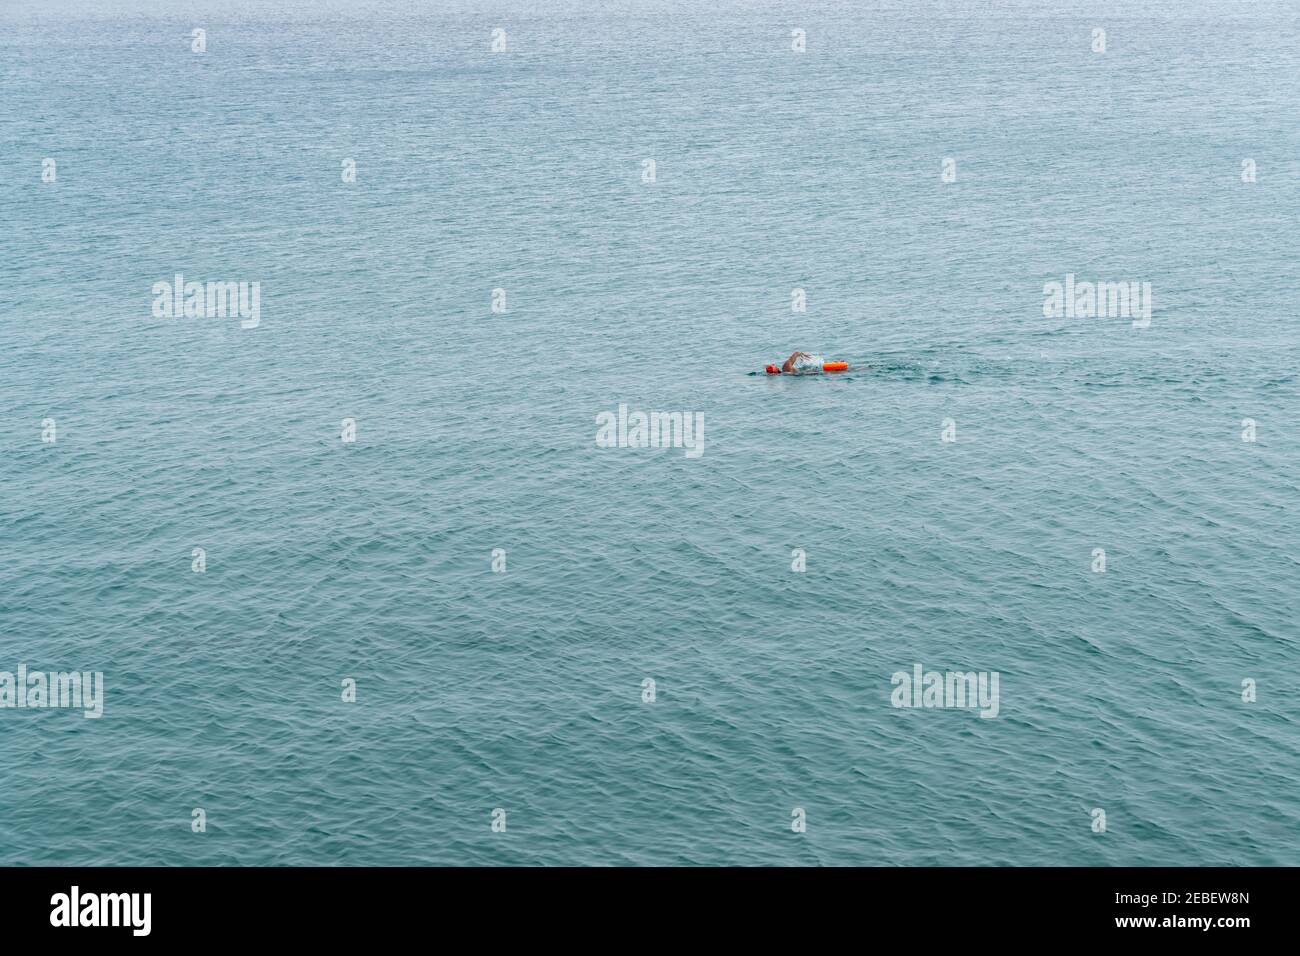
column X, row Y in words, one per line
column 788, row 366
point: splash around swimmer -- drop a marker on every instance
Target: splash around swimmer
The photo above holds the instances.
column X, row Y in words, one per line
column 802, row 363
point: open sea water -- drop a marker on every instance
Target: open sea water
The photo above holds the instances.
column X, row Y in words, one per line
column 774, row 170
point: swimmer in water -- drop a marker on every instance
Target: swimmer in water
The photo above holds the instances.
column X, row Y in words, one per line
column 802, row 362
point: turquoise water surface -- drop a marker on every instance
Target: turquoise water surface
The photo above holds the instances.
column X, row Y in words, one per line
column 523, row 689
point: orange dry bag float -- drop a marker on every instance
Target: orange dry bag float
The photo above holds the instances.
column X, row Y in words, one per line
column 826, row 367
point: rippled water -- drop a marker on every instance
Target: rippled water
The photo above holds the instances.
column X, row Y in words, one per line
column 522, row 690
